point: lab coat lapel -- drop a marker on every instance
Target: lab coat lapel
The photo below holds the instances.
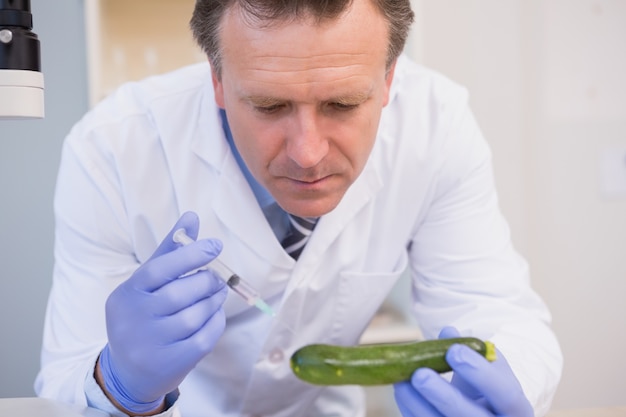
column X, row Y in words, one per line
column 332, row 224
column 212, row 181
column 358, row 195
column 194, row 177
column 239, row 210
column 235, row 204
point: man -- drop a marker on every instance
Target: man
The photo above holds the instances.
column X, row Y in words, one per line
column 309, row 110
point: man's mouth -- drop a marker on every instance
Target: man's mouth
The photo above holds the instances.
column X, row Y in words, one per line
column 310, row 181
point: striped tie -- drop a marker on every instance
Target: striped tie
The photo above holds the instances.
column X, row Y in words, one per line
column 300, row 229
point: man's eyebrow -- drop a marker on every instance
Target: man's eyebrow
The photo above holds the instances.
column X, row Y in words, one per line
column 351, row 98
column 348, row 98
column 263, row 100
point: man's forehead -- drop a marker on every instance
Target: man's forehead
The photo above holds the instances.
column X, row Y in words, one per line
column 306, row 59
column 305, row 43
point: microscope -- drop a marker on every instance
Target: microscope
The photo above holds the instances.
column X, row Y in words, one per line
column 21, row 79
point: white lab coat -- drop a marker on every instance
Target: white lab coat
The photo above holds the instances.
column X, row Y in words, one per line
column 425, row 200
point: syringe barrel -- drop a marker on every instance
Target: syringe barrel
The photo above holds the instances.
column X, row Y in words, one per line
column 243, row 289
column 223, row 272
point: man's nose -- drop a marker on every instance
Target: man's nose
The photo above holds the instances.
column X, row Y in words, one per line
column 307, row 143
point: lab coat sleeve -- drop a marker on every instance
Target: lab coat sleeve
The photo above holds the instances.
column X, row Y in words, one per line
column 88, row 222
column 93, row 255
column 465, row 270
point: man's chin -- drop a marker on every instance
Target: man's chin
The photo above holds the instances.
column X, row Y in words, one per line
column 309, row 207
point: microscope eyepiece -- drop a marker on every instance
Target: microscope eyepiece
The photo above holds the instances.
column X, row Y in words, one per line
column 16, row 13
column 19, row 46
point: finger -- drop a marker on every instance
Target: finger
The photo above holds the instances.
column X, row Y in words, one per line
column 203, row 341
column 184, row 292
column 468, row 390
column 185, row 323
column 496, row 381
column 188, row 221
column 443, row 396
column 159, row 271
column 449, row 332
column 411, row 403
column 188, row 352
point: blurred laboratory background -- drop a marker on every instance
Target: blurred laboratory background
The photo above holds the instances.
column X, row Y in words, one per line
column 547, row 84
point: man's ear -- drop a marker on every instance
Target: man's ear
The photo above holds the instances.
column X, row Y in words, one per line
column 388, row 80
column 218, row 88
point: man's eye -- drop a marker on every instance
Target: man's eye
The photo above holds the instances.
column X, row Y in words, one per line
column 344, row 106
column 269, row 109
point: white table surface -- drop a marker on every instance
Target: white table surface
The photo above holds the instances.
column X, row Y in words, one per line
column 41, row 407
column 590, row 412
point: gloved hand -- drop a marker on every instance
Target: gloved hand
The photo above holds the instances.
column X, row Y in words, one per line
column 478, row 388
column 159, row 325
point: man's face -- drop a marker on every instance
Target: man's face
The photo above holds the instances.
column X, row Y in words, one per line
column 304, row 100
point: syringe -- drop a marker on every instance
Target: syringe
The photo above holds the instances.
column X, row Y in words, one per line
column 234, row 281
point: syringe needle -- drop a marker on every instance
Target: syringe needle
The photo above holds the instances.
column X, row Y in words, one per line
column 234, row 281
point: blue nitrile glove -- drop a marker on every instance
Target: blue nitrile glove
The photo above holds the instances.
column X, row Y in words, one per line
column 159, row 325
column 478, row 388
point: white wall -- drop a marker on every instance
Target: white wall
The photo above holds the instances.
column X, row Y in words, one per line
column 577, row 109
column 548, row 84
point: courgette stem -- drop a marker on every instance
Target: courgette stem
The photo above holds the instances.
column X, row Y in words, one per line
column 490, row 353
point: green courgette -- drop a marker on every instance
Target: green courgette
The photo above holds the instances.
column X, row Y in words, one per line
column 377, row 364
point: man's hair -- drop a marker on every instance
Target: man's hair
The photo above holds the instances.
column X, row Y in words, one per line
column 207, row 17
